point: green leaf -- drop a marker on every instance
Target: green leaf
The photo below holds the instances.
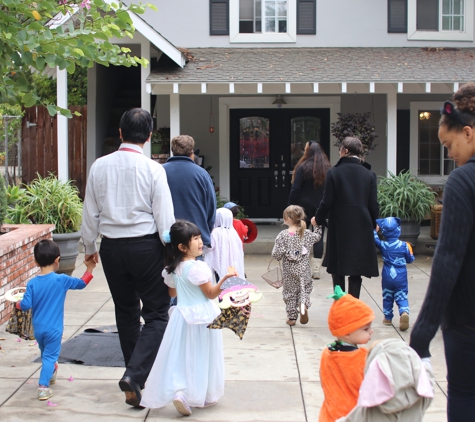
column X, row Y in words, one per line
column 28, row 100
column 52, row 110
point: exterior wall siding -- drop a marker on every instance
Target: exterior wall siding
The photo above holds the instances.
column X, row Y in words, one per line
column 340, row 23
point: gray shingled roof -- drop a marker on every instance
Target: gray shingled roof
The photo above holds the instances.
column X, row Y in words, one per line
column 218, row 65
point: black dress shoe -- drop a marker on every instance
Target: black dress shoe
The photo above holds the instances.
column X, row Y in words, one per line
column 133, row 393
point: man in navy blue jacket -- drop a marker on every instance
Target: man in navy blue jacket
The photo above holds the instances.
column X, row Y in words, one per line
column 192, row 189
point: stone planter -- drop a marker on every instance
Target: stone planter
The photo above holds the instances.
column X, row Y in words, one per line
column 17, row 262
column 69, row 247
column 410, row 231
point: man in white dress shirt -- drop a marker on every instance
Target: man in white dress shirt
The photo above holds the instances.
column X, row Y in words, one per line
column 128, row 201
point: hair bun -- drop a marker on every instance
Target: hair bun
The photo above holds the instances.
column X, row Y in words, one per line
column 464, row 98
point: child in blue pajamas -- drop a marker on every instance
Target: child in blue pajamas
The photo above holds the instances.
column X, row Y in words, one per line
column 45, row 295
column 395, row 255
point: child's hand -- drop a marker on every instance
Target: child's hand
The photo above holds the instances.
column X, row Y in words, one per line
column 231, row 272
column 90, row 265
column 377, row 228
column 313, row 221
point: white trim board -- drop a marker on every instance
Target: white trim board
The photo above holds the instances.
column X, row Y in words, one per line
column 228, row 103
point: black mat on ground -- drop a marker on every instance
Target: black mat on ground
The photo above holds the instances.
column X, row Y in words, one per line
column 94, row 347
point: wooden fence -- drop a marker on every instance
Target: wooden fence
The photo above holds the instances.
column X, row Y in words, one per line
column 40, row 145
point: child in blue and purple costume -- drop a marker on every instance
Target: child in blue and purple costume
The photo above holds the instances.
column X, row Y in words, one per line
column 45, row 295
column 395, row 255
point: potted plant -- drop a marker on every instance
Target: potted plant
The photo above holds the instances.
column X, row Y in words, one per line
column 51, row 201
column 355, row 125
column 407, row 197
column 161, row 141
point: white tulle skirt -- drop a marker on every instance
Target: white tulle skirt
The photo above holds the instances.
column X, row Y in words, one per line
column 190, row 359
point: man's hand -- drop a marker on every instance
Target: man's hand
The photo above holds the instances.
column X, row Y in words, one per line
column 94, row 257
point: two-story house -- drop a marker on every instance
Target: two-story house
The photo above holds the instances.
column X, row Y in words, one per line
column 269, row 75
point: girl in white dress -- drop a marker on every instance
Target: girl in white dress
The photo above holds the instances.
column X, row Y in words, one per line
column 189, row 367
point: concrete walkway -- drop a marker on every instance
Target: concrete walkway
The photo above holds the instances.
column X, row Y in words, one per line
column 271, row 375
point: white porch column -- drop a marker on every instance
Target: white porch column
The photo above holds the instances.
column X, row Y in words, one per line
column 62, row 127
column 145, row 96
column 391, row 98
column 174, row 116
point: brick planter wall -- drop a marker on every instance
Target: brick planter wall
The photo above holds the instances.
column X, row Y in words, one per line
column 17, row 263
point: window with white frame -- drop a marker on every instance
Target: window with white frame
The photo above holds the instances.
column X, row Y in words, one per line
column 252, row 13
column 263, row 21
column 428, row 158
column 452, row 15
column 440, row 20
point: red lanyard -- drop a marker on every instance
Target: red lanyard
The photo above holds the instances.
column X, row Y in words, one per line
column 129, row 150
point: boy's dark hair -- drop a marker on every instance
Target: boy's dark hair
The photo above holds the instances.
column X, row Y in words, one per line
column 136, row 125
column 46, row 251
column 235, row 210
column 180, row 232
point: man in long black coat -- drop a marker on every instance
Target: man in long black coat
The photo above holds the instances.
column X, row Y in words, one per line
column 350, row 204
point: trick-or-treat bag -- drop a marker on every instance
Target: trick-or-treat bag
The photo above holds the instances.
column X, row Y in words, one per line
column 20, row 322
column 235, row 303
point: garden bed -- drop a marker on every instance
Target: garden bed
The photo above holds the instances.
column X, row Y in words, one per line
column 17, row 263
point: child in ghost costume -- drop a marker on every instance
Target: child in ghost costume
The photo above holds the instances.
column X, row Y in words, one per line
column 226, row 246
column 397, row 385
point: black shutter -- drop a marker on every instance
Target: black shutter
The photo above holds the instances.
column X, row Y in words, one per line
column 397, row 16
column 427, row 15
column 219, row 17
column 307, row 17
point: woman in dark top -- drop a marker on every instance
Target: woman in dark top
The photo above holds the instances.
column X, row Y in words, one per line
column 307, row 191
column 351, row 206
column 450, row 297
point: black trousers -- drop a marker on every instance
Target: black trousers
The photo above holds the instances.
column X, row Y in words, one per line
column 354, row 284
column 133, row 269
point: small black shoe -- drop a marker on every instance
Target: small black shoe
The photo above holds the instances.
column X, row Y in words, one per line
column 133, row 393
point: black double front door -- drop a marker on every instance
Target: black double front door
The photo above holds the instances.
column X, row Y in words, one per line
column 265, row 146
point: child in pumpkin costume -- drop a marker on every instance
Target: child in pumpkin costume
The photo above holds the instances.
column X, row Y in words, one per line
column 342, row 363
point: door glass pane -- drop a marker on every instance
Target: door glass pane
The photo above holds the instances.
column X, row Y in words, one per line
column 449, row 164
column 254, row 142
column 430, row 152
column 303, row 129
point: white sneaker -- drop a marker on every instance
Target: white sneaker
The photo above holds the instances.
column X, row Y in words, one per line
column 181, row 405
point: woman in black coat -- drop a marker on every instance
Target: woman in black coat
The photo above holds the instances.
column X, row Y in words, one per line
column 307, row 191
column 350, row 204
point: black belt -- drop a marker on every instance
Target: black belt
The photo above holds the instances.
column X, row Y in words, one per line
column 147, row 236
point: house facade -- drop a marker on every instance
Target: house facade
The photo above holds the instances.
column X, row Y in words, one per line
column 253, row 80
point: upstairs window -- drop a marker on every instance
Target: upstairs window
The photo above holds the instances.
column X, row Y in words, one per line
column 252, row 13
column 440, row 20
column 452, row 15
column 263, row 21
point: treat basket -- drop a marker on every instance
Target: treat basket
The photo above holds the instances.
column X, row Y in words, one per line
column 273, row 276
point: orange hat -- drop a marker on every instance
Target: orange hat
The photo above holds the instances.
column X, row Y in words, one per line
column 347, row 314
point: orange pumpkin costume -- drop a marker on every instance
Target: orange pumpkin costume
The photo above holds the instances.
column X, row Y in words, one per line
column 342, row 371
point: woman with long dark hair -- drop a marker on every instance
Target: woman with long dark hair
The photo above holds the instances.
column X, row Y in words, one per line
column 450, row 296
column 350, row 204
column 308, row 180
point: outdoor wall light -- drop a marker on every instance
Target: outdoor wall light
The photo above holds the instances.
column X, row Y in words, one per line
column 279, row 101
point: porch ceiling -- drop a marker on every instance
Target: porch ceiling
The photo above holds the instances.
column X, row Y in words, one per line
column 320, row 65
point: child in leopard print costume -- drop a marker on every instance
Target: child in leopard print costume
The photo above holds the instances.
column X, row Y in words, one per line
column 293, row 247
